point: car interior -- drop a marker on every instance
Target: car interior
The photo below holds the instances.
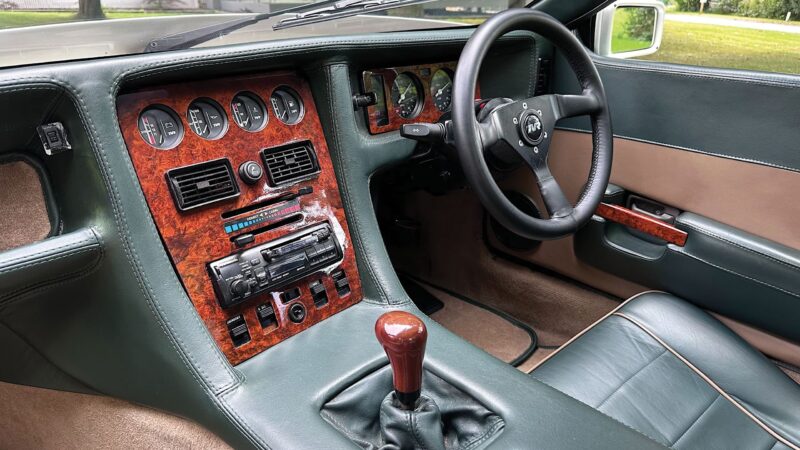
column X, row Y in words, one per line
column 467, row 237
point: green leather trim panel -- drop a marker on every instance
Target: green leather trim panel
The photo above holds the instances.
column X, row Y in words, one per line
column 720, row 268
column 38, row 266
column 748, row 116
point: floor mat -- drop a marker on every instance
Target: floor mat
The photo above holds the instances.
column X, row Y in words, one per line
column 500, row 335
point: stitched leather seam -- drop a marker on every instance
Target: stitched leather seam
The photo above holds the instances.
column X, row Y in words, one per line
column 345, row 188
column 694, row 422
column 130, row 250
column 735, row 244
column 50, row 251
column 616, row 391
column 690, row 149
column 483, row 437
column 724, row 269
column 51, row 257
column 13, row 297
column 710, row 382
column 412, row 422
column 121, row 222
column 636, row 430
column 674, row 71
column 235, row 376
column 586, row 330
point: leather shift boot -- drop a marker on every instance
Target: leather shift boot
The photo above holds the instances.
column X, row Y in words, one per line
column 420, row 428
column 458, row 421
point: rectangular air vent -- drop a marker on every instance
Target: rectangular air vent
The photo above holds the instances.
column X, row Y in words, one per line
column 290, row 163
column 201, row 184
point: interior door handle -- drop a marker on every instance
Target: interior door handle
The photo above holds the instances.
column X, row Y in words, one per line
column 653, row 209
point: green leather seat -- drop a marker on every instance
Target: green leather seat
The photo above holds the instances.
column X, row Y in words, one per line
column 677, row 375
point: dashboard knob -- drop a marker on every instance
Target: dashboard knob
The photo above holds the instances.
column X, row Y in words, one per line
column 250, row 172
column 239, row 287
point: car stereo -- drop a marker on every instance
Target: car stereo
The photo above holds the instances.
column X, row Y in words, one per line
column 269, row 266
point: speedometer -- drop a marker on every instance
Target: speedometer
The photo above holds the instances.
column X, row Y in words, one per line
column 442, row 89
column 407, row 95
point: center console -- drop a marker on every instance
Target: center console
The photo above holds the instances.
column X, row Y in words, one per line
column 238, row 178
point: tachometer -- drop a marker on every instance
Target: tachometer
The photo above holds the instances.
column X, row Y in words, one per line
column 207, row 119
column 407, row 95
column 160, row 127
column 442, row 89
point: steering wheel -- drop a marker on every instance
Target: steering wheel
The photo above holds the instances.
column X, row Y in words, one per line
column 527, row 127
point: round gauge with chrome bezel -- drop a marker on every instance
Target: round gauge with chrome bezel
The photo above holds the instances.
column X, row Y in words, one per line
column 407, row 95
column 249, row 112
column 287, row 105
column 442, row 89
column 207, row 119
column 160, row 127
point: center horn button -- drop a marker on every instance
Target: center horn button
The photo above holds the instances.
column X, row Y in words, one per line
column 530, row 128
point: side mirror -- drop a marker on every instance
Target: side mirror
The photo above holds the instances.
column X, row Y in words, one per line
column 629, row 28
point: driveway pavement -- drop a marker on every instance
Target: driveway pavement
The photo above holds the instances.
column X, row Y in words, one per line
column 766, row 26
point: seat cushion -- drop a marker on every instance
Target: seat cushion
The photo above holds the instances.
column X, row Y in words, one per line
column 679, row 376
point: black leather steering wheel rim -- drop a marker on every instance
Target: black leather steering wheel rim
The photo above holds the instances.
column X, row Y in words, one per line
column 472, row 138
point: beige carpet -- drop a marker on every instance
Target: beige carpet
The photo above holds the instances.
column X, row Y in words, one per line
column 484, row 329
column 452, row 254
column 43, row 419
column 23, row 211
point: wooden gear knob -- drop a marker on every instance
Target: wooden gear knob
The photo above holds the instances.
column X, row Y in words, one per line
column 403, row 337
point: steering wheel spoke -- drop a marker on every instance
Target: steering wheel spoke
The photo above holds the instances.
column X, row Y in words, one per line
column 554, row 199
column 576, row 105
column 526, row 126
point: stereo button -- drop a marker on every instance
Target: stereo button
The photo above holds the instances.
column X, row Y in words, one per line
column 239, row 288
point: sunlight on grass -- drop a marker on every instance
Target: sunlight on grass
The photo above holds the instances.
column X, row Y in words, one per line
column 729, row 47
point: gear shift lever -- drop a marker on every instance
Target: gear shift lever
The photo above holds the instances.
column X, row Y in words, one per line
column 403, row 337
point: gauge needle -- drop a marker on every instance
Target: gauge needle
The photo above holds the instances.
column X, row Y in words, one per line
column 403, row 95
column 439, row 92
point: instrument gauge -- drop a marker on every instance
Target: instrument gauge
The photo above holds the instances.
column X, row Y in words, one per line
column 407, row 95
column 160, row 127
column 287, row 106
column 206, row 119
column 442, row 89
column 249, row 112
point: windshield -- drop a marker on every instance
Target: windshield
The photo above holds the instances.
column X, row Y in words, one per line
column 36, row 31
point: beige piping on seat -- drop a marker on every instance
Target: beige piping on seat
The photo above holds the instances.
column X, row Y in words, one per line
column 708, row 380
column 585, row 330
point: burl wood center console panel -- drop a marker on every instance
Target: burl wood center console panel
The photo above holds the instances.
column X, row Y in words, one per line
column 179, row 125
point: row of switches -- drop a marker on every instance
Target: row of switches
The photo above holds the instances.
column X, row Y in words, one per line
column 266, row 312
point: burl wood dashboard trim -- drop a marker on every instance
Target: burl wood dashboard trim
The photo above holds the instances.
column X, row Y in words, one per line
column 197, row 237
column 429, row 112
column 643, row 223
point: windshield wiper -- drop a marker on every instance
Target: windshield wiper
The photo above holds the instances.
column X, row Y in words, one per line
column 188, row 39
column 342, row 8
column 303, row 14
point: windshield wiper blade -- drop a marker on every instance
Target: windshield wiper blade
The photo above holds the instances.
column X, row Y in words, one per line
column 188, row 39
column 342, row 8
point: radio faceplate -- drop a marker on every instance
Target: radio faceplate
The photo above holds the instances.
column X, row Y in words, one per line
column 274, row 264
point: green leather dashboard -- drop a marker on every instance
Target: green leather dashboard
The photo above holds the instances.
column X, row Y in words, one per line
column 118, row 321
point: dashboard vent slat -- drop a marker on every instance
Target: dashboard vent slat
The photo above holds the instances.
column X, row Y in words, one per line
column 202, row 184
column 290, row 163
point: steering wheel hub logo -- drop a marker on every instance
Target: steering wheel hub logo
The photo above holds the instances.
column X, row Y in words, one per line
column 531, row 128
